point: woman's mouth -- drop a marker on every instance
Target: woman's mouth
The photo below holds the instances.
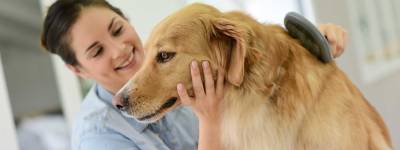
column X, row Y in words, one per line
column 129, row 63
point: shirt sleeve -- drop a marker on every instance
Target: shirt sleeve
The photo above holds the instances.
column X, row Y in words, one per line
column 107, row 142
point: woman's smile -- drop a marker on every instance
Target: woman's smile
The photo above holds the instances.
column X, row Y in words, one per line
column 127, row 64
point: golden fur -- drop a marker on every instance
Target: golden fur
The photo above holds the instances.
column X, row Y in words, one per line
column 279, row 97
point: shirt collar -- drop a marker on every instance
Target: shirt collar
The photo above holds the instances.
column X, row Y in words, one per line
column 106, row 97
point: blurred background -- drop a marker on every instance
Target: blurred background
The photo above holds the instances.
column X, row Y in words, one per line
column 39, row 97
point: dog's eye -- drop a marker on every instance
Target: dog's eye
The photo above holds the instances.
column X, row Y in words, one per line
column 163, row 57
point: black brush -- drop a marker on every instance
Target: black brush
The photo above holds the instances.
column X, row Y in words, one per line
column 310, row 37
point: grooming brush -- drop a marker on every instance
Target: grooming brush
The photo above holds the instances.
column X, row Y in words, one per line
column 309, row 36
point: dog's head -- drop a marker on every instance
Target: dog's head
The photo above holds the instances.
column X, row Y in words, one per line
column 196, row 32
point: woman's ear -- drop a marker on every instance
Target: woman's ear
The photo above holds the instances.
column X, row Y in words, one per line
column 78, row 71
column 241, row 35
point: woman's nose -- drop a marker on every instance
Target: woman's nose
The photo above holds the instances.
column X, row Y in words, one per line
column 119, row 48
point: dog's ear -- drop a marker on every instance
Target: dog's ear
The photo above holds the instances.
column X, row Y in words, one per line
column 241, row 34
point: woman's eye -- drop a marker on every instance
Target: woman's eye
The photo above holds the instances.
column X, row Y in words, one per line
column 117, row 32
column 98, row 51
column 163, row 57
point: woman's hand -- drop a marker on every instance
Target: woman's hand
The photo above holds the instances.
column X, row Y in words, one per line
column 337, row 38
column 205, row 104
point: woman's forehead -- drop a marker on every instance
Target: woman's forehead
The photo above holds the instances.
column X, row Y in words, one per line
column 91, row 25
column 94, row 18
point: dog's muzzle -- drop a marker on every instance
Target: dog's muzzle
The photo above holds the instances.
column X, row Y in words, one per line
column 121, row 98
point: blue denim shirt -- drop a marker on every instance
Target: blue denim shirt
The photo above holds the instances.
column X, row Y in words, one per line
column 99, row 126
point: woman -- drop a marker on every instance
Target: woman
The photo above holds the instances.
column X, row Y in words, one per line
column 97, row 42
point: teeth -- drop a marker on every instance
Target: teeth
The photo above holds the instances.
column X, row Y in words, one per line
column 127, row 62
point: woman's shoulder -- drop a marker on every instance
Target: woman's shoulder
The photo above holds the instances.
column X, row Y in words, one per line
column 95, row 119
column 93, row 107
column 93, row 114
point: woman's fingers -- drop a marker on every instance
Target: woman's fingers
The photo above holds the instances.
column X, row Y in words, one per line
column 333, row 40
column 331, row 36
column 338, row 41
column 185, row 98
column 208, row 92
column 344, row 42
column 220, row 82
column 196, row 80
column 205, row 103
column 336, row 36
column 209, row 81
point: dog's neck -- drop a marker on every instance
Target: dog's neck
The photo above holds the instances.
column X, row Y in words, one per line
column 279, row 65
column 274, row 62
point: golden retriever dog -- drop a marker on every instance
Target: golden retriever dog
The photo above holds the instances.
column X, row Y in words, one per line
column 278, row 95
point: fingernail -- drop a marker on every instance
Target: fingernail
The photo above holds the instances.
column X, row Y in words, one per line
column 194, row 64
column 180, row 87
column 205, row 64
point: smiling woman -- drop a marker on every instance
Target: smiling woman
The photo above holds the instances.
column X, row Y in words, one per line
column 87, row 49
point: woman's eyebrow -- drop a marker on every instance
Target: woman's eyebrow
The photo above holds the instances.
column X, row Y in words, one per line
column 91, row 46
column 111, row 24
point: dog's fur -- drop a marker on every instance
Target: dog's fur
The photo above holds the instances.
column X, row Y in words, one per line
column 279, row 96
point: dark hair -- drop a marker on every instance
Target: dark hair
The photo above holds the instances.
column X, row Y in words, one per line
column 60, row 17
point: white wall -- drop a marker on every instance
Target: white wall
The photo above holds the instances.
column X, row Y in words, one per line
column 383, row 93
column 8, row 139
column 144, row 15
column 30, row 80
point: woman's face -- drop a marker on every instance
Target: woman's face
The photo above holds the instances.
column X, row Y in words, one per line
column 106, row 46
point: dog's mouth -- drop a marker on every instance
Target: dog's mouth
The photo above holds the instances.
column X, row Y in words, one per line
column 167, row 105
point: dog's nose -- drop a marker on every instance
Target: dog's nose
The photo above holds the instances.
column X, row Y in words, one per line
column 120, row 100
